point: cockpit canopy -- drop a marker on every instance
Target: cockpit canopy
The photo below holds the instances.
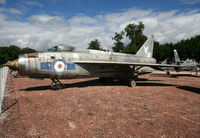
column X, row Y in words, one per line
column 60, row 48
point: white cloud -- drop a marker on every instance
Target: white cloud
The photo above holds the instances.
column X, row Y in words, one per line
column 44, row 31
column 172, row 27
column 14, row 11
column 82, row 20
column 33, row 3
column 46, row 19
column 190, row 1
column 2, row 1
column 10, row 10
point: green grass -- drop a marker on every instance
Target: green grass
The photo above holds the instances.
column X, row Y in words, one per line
column 90, row 113
column 27, row 99
column 1, row 66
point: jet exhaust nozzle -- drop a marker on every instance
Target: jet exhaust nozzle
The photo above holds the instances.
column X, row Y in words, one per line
column 14, row 65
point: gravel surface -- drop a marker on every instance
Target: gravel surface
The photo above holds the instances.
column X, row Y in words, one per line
column 160, row 106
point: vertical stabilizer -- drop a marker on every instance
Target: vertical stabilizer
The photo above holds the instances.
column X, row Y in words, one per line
column 176, row 57
column 147, row 48
column 165, row 61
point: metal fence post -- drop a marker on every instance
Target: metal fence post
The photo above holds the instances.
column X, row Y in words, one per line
column 3, row 79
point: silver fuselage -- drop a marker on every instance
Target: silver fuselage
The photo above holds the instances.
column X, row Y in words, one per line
column 187, row 65
column 43, row 64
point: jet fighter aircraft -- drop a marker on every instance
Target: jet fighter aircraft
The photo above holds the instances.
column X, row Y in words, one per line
column 93, row 63
column 187, row 65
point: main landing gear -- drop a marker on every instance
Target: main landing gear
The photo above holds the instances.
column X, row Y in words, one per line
column 132, row 77
column 131, row 82
column 127, row 80
column 56, row 84
column 167, row 72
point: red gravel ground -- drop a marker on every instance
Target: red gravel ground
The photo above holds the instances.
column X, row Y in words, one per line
column 160, row 106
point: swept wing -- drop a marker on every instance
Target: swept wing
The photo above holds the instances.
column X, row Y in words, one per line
column 125, row 63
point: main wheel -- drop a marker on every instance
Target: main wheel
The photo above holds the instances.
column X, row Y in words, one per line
column 15, row 75
column 167, row 72
column 131, row 83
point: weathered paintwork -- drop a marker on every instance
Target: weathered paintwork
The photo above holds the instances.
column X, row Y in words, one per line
column 93, row 63
column 187, row 65
column 30, row 64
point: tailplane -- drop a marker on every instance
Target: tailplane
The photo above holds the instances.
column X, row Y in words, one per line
column 147, row 48
column 176, row 57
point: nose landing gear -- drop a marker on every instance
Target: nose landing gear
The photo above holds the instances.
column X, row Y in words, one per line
column 56, row 84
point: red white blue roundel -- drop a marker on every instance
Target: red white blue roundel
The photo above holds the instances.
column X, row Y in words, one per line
column 59, row 66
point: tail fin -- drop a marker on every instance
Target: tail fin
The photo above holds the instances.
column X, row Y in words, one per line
column 165, row 61
column 147, row 48
column 176, row 57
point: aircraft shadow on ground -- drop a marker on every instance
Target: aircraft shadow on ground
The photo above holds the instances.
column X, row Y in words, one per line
column 144, row 79
column 190, row 89
column 96, row 82
column 154, row 84
column 175, row 75
column 183, row 75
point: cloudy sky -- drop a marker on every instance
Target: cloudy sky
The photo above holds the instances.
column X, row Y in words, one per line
column 41, row 24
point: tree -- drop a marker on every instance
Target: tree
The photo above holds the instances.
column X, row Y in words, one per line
column 12, row 52
column 4, row 57
column 135, row 33
column 95, row 44
column 189, row 48
column 118, row 45
column 130, row 49
column 27, row 50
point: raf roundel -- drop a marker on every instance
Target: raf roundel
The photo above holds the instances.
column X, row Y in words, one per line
column 59, row 66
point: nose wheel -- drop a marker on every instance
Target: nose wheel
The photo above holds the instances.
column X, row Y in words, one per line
column 56, row 84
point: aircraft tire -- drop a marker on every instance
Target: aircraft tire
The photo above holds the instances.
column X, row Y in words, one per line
column 56, row 84
column 167, row 72
column 56, row 87
column 131, row 83
column 15, row 75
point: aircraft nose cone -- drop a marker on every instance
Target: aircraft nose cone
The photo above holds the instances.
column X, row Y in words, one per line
column 14, row 65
